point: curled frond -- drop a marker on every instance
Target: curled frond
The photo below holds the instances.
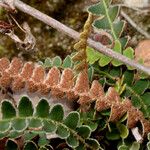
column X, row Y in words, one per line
column 81, row 56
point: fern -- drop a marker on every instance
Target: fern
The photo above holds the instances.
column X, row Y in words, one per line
column 63, row 83
column 107, row 18
column 57, row 62
column 28, row 122
column 136, row 90
column 108, row 22
column 135, row 145
column 81, row 57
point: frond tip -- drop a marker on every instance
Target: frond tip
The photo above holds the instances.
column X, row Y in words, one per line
column 81, row 56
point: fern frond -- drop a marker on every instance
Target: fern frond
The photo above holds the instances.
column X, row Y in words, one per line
column 81, row 55
column 66, row 84
column 41, row 120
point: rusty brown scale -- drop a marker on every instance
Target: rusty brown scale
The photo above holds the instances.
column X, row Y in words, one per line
column 33, row 78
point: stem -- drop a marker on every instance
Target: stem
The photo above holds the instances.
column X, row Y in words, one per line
column 75, row 35
column 104, row 73
column 136, row 134
column 109, row 20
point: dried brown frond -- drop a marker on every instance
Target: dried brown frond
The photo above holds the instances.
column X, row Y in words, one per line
column 146, row 126
column 134, row 115
column 96, row 90
column 117, row 111
column 112, row 95
column 82, row 83
column 67, row 80
column 38, row 74
column 27, row 70
column 32, row 87
column 4, row 64
column 18, row 83
column 15, row 66
column 5, row 80
column 102, row 104
column 53, row 77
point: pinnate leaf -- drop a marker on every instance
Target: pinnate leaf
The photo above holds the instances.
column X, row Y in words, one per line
column 124, row 41
column 97, row 9
column 124, row 132
column 102, row 23
column 25, row 107
column 8, row 110
column 35, row 123
column 118, row 28
column 72, row 141
column 146, row 98
column 128, row 77
column 123, row 147
column 19, row 124
column 135, row 146
column 11, row 145
column 92, row 125
column 14, row 134
column 57, row 113
column 113, row 12
column 42, row 109
column 84, row 131
column 93, row 143
column 4, row 126
column 62, row 131
column 28, row 136
column 49, row 126
column 140, row 86
column 72, row 120
column 92, row 55
column 90, row 73
column 148, row 145
column 67, row 63
column 117, row 48
column 42, row 140
column 30, row 145
column 105, row 60
column 47, row 63
column 56, row 61
column 129, row 52
column 136, row 102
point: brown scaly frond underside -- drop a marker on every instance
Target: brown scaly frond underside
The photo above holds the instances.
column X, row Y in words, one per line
column 34, row 78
